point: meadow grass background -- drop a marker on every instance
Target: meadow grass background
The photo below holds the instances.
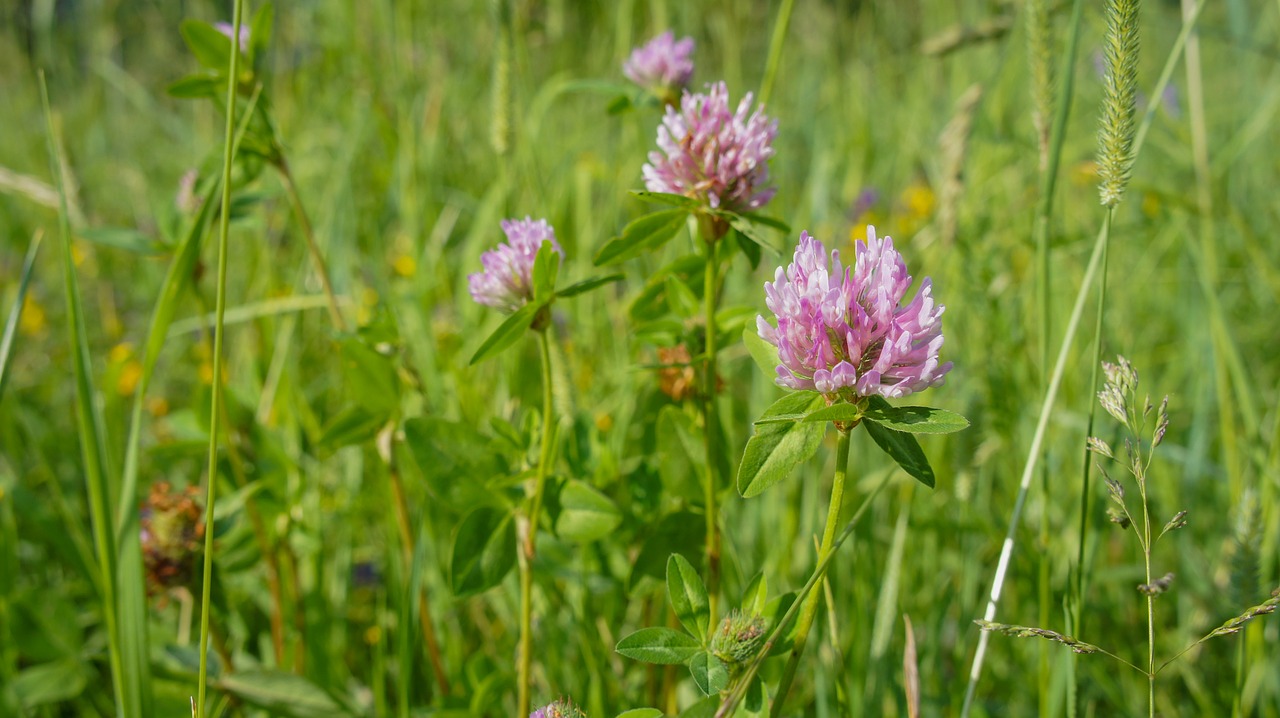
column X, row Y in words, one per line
column 389, row 116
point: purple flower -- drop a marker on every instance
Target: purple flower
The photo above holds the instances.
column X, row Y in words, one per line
column 713, row 154
column 662, row 66
column 842, row 330
column 507, row 280
column 226, row 29
column 559, row 709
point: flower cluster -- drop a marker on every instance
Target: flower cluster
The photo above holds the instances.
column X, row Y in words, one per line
column 506, row 283
column 172, row 536
column 663, row 65
column 739, row 637
column 842, row 330
column 562, row 708
column 712, row 153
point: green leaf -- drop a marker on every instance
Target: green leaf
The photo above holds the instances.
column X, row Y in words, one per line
column 211, row 48
column 675, row 200
column 664, row 646
column 587, row 285
column 350, row 426
column 756, row 596
column 749, row 248
column 507, row 333
column 54, row 682
column 681, row 299
column 679, row 453
column 917, row 419
column 651, row 302
column 754, row 232
column 902, row 447
column 836, row 412
column 756, row 701
column 776, row 449
column 457, row 462
column 705, row 708
column 764, row 354
column 771, row 222
column 260, row 30
column 710, row 673
column 677, row 531
column 371, row 377
column 641, row 713
column 646, row 233
column 484, row 551
column 585, row 514
column 194, row 87
column 618, row 105
column 130, row 240
column 546, row 268
column 688, row 597
column 282, row 694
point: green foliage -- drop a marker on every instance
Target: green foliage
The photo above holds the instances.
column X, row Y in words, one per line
column 777, row 449
column 645, row 234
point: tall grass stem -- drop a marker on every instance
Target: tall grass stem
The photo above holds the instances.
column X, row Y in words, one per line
column 128, row 692
column 220, row 306
column 776, row 43
column 1068, row 337
column 322, row 268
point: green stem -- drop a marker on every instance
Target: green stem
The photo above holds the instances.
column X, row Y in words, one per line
column 531, row 531
column 776, row 43
column 407, row 550
column 711, row 427
column 1050, row 159
column 295, row 201
column 811, row 601
column 220, row 306
column 1078, row 587
column 739, row 691
column 1151, row 602
column 1046, row 408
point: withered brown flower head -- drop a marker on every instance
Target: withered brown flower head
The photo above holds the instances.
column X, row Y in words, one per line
column 172, row 534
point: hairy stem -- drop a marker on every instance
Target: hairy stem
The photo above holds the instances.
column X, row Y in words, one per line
column 810, row 608
column 711, row 428
column 531, row 531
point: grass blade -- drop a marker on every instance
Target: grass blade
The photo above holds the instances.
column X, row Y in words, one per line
column 128, row 678
column 11, row 326
column 220, row 306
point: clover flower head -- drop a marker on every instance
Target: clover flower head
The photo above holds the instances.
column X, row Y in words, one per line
column 712, row 153
column 844, row 332
column 662, row 66
column 562, row 708
column 506, row 283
